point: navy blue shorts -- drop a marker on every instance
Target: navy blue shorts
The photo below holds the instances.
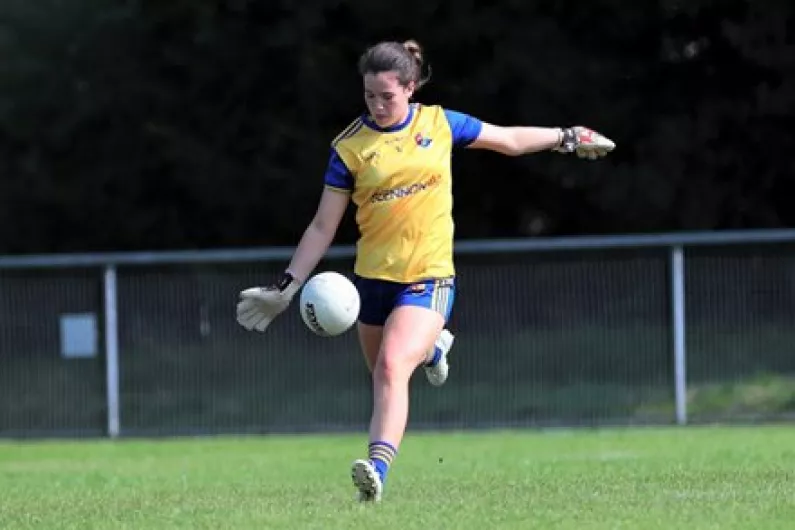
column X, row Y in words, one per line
column 380, row 297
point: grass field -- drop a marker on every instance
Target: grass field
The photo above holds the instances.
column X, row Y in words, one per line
column 641, row 479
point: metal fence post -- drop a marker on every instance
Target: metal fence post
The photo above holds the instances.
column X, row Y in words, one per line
column 111, row 351
column 678, row 331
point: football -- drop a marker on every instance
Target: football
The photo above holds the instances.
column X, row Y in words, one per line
column 329, row 304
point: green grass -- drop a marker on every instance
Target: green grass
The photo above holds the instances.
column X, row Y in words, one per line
column 641, row 479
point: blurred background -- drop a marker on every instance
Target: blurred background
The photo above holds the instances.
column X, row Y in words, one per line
column 203, row 127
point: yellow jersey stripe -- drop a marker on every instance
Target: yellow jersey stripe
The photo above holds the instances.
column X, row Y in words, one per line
column 352, row 132
column 349, row 131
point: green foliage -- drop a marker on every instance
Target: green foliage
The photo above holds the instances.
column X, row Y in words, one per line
column 764, row 396
column 573, row 376
column 146, row 124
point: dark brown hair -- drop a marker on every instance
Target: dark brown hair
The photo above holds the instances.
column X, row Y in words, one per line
column 404, row 58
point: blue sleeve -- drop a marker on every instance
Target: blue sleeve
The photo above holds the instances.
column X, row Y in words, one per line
column 465, row 128
column 337, row 173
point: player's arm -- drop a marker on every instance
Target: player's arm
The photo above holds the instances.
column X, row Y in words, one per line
column 519, row 140
column 319, row 234
column 515, row 141
column 260, row 305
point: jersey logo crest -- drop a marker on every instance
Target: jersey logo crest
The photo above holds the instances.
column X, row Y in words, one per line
column 423, row 140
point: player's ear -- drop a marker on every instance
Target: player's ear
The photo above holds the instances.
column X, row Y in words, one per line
column 409, row 89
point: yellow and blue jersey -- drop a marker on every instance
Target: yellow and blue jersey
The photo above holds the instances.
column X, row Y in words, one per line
column 400, row 180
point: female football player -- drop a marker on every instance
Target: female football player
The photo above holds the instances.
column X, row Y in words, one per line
column 394, row 163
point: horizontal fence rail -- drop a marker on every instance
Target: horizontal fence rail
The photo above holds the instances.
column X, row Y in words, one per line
column 242, row 255
column 637, row 329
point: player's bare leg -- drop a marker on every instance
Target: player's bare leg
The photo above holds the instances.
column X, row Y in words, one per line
column 436, row 364
column 407, row 337
column 363, row 470
column 370, row 341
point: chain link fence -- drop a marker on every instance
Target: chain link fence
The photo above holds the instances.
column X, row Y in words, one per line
column 554, row 338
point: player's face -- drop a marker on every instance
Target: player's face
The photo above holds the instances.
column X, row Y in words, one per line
column 387, row 100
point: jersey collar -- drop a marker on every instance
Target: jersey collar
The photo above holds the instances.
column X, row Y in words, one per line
column 392, row 128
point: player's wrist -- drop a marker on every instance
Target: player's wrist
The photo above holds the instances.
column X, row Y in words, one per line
column 568, row 140
column 559, row 132
column 288, row 283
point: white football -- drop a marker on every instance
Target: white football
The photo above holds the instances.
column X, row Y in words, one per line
column 329, row 304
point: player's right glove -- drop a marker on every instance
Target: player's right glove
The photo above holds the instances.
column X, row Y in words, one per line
column 258, row 306
column 585, row 142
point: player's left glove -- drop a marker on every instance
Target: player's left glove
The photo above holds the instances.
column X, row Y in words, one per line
column 258, row 306
column 586, row 143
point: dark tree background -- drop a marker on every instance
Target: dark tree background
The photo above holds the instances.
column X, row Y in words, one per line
column 156, row 124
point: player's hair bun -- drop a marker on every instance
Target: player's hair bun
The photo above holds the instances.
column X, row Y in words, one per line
column 423, row 70
column 414, row 48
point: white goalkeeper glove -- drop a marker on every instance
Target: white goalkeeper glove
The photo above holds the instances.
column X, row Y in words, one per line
column 258, row 306
column 586, row 143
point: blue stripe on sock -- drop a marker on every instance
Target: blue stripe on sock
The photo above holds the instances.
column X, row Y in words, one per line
column 437, row 356
column 381, row 468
